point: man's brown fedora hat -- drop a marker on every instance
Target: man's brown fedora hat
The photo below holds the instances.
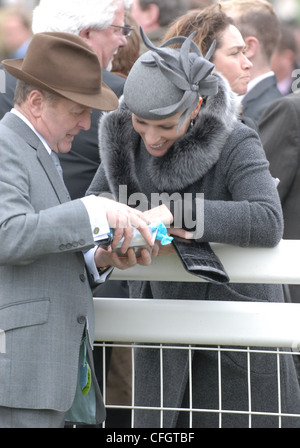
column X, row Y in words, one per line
column 65, row 64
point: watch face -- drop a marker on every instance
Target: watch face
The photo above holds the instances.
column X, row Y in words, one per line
column 105, row 243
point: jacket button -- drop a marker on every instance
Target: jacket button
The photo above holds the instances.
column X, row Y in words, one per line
column 81, row 320
column 82, row 278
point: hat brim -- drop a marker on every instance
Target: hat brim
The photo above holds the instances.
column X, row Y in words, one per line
column 105, row 100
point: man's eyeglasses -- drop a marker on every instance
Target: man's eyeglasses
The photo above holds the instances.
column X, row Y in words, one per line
column 126, row 30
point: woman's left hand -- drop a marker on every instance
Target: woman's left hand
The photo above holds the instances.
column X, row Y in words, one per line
column 181, row 233
column 169, row 249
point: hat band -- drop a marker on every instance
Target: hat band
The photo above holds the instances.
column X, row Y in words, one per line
column 82, row 86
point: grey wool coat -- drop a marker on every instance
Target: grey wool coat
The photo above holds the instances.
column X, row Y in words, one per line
column 224, row 160
column 45, row 297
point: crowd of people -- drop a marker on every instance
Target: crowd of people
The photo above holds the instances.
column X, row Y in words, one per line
column 161, row 96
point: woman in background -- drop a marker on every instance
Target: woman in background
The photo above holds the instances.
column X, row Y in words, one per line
column 212, row 24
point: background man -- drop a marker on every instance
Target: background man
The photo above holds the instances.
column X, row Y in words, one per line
column 260, row 29
column 154, row 16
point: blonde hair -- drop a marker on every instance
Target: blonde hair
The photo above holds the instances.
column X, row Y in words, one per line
column 255, row 18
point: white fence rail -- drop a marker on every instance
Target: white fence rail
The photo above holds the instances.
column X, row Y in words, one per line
column 198, row 322
column 208, row 323
column 280, row 264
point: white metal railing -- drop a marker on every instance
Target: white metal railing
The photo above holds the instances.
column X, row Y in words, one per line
column 280, row 264
column 201, row 322
column 211, row 324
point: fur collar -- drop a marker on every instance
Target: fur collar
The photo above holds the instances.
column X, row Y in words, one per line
column 189, row 160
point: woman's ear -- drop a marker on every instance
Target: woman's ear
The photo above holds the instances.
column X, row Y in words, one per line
column 196, row 111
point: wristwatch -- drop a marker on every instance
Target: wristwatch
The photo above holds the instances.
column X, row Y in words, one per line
column 102, row 270
column 105, row 243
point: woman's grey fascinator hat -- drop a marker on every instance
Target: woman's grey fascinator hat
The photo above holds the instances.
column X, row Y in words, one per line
column 165, row 81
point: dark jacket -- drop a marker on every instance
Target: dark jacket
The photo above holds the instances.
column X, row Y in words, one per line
column 7, row 97
column 280, row 133
column 260, row 98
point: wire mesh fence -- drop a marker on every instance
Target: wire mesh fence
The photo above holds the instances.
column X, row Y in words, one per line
column 217, row 331
column 277, row 416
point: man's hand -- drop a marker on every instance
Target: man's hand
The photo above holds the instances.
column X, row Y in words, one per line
column 109, row 258
column 122, row 218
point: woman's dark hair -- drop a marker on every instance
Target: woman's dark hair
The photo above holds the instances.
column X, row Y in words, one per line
column 208, row 23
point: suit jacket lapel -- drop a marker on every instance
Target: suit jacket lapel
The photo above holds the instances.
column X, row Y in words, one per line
column 52, row 173
column 260, row 88
column 17, row 125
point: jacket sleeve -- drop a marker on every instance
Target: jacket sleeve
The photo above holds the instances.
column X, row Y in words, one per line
column 249, row 214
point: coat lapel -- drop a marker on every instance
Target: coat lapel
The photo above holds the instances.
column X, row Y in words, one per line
column 30, row 138
column 260, row 89
column 52, row 173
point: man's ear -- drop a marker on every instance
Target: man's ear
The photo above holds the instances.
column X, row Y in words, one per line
column 36, row 102
column 151, row 15
column 84, row 34
column 252, row 46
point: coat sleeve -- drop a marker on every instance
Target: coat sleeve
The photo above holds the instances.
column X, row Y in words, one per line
column 249, row 213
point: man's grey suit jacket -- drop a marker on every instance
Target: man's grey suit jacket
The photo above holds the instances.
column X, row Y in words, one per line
column 45, row 297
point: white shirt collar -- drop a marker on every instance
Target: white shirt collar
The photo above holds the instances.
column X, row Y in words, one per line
column 26, row 121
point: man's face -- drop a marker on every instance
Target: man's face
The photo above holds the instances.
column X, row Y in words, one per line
column 15, row 32
column 60, row 121
column 147, row 18
column 107, row 42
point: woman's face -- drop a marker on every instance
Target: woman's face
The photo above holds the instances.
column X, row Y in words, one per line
column 230, row 60
column 159, row 136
